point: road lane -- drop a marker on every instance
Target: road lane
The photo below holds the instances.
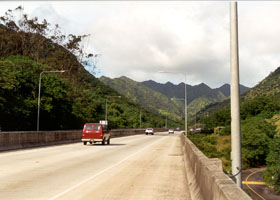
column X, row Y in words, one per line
column 76, row 171
column 253, row 183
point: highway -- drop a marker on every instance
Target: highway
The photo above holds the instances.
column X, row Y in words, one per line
column 133, row 167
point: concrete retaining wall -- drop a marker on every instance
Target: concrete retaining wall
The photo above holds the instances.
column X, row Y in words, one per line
column 25, row 139
column 206, row 178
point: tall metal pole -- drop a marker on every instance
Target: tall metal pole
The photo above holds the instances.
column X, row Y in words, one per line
column 195, row 121
column 107, row 105
column 166, row 122
column 106, row 110
column 39, row 96
column 235, row 98
column 140, row 117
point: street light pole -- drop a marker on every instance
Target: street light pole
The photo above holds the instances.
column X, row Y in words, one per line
column 39, row 94
column 186, row 102
column 235, row 96
column 107, row 104
column 106, row 110
column 175, row 99
column 166, row 122
column 195, row 121
column 140, row 118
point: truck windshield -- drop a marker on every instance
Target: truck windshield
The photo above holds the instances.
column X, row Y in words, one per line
column 96, row 127
column 88, row 127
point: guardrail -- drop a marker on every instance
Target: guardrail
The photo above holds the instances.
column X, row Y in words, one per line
column 25, row 139
column 206, row 178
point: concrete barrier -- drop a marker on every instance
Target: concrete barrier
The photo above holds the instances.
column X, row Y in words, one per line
column 25, row 139
column 206, row 178
column 127, row 132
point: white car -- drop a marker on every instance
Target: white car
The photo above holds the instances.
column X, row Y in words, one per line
column 171, row 131
column 149, row 131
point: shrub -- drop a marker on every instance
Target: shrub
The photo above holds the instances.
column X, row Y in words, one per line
column 226, row 130
column 256, row 137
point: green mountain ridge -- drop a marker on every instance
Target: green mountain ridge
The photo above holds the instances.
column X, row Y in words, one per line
column 146, row 97
column 269, row 86
column 198, row 96
column 156, row 96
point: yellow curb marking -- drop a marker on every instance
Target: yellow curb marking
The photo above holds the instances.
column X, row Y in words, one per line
column 252, row 188
column 253, row 183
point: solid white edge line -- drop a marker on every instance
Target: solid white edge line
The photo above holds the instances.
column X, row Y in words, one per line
column 101, row 172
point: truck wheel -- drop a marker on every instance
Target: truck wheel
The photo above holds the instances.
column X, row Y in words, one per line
column 90, row 142
column 108, row 141
column 85, row 143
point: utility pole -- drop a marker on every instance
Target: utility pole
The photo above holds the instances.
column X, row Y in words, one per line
column 234, row 96
column 166, row 122
column 140, row 117
column 195, row 120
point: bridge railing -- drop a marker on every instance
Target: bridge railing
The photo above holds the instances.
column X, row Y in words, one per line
column 206, row 178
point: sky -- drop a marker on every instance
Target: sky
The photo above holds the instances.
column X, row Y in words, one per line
column 138, row 39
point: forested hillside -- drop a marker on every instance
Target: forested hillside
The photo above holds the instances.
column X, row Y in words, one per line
column 28, row 47
column 146, row 97
column 260, row 129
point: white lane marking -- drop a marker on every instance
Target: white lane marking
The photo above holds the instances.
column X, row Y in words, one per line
column 104, row 170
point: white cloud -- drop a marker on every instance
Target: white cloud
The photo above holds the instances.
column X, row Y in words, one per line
column 170, row 36
column 137, row 39
column 258, row 40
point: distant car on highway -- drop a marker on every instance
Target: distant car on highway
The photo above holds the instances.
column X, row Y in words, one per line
column 171, row 131
column 96, row 132
column 149, row 131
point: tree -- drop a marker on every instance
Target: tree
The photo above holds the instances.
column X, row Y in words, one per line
column 256, row 136
column 35, row 36
column 272, row 172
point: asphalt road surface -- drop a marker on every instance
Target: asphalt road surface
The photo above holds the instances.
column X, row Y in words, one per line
column 253, row 183
column 134, row 167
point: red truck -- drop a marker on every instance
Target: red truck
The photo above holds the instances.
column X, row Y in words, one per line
column 96, row 132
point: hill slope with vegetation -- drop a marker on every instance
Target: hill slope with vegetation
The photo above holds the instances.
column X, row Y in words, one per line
column 260, row 125
column 146, row 97
column 28, row 47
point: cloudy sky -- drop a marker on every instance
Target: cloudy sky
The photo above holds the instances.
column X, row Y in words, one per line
column 138, row 39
